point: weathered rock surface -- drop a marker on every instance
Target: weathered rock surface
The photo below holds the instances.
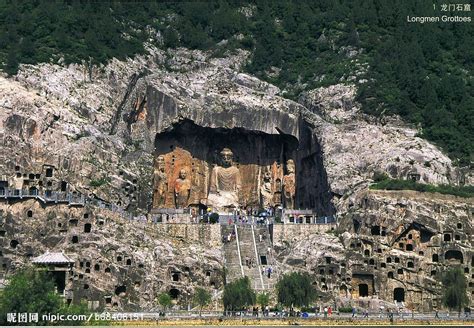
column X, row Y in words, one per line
column 63, row 131
column 355, row 146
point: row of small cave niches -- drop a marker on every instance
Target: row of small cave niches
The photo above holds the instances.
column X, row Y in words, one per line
column 87, row 227
column 397, row 266
column 46, row 178
column 86, row 266
column 47, row 172
column 424, row 235
column 175, row 275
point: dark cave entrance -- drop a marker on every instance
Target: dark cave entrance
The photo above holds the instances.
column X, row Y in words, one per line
column 375, row 231
column 120, row 290
column 175, row 276
column 59, row 278
column 363, row 290
column 399, row 294
column 196, row 148
column 363, row 283
column 174, row 293
column 453, row 256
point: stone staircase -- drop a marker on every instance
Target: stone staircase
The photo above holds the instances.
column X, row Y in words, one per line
column 247, row 248
column 231, row 254
column 265, row 248
column 247, row 245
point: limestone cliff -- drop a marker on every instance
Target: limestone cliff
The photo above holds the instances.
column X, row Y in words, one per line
column 97, row 137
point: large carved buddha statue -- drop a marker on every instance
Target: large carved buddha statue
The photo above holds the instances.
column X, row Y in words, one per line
column 159, row 182
column 182, row 189
column 266, row 190
column 289, row 185
column 225, row 183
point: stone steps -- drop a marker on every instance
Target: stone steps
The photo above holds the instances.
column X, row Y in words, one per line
column 247, row 249
column 232, row 261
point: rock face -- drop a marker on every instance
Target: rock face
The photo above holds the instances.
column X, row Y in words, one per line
column 355, row 147
column 118, row 263
column 81, row 157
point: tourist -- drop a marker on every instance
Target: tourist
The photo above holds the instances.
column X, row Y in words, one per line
column 354, row 311
column 325, row 312
column 366, row 314
column 329, row 311
column 260, row 237
column 247, row 260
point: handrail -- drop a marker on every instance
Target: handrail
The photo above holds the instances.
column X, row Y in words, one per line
column 238, row 250
column 256, row 257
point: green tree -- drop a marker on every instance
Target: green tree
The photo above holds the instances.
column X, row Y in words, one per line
column 164, row 299
column 170, row 38
column 263, row 299
column 295, row 289
column 11, row 66
column 29, row 291
column 202, row 297
column 238, row 295
column 33, row 291
column 213, row 218
column 454, row 283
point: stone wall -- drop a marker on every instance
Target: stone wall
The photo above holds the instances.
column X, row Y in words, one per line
column 287, row 232
column 206, row 234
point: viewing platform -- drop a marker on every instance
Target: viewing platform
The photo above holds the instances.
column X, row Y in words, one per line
column 45, row 197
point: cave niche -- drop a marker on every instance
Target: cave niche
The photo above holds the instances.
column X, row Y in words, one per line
column 186, row 145
column 453, row 256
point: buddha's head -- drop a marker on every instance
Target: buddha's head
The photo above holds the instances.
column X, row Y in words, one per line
column 226, row 157
column 160, row 163
column 290, row 166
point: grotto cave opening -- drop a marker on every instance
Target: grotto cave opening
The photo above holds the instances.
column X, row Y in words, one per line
column 174, row 293
column 363, row 290
column 453, row 256
column 59, row 279
column 399, row 294
column 263, row 170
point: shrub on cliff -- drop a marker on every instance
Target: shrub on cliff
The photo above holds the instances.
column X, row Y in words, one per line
column 397, row 184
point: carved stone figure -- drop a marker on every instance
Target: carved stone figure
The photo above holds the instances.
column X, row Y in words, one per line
column 159, row 182
column 289, row 185
column 182, row 189
column 225, row 183
column 266, row 190
column 277, row 193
